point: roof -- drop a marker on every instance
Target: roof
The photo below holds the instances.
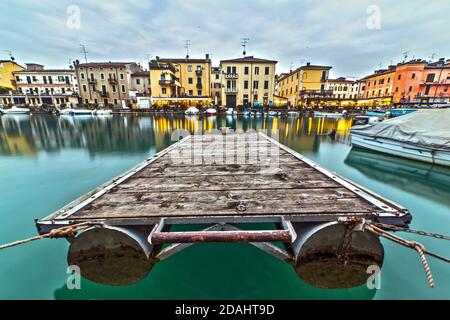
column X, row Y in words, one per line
column 183, row 60
column 379, row 73
column 341, row 80
column 46, row 71
column 314, row 67
column 141, row 74
column 103, row 64
column 249, row 59
column 10, row 61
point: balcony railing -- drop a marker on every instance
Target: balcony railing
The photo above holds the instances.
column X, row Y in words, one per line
column 199, row 86
column 231, row 75
column 198, row 72
column 231, row 90
column 166, row 82
column 104, row 94
column 92, row 81
column 112, row 80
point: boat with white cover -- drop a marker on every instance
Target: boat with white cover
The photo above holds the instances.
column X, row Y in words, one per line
column 15, row 110
column 191, row 111
column 423, row 135
column 75, row 112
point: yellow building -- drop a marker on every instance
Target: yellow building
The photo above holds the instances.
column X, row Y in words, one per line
column 194, row 75
column 306, row 85
column 7, row 79
column 248, row 81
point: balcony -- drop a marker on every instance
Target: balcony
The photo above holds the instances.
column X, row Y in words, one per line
column 231, row 90
column 92, row 81
column 231, row 75
column 434, row 83
column 104, row 94
column 199, row 86
column 198, row 72
column 112, row 80
column 166, row 82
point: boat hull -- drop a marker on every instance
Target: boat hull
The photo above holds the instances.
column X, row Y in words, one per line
column 440, row 157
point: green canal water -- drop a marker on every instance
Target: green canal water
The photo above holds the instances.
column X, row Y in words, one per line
column 46, row 162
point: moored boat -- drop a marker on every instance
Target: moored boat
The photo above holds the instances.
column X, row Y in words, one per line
column 102, row 112
column 191, row 111
column 210, row 112
column 319, row 114
column 74, row 112
column 423, row 135
column 15, row 110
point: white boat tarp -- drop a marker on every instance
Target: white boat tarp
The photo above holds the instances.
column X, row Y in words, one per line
column 425, row 128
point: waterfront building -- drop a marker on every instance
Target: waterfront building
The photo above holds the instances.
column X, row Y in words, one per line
column 106, row 84
column 247, row 82
column 7, row 67
column 37, row 86
column 306, row 85
column 377, row 89
column 194, row 75
column 216, row 86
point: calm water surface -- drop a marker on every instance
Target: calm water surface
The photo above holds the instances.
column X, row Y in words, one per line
column 46, row 162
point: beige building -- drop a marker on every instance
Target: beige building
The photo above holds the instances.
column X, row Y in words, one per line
column 247, row 82
column 216, row 86
column 194, row 75
column 106, row 83
column 343, row 88
column 305, row 84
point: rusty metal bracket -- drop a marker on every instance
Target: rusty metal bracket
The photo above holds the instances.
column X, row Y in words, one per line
column 157, row 236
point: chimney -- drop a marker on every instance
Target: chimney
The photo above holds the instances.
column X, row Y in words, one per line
column 34, row 66
column 207, row 56
column 308, row 63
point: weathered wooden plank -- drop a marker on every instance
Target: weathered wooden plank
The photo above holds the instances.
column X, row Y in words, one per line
column 210, row 203
column 279, row 169
column 191, row 181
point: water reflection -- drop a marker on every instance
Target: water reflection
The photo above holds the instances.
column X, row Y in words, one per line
column 28, row 135
column 426, row 180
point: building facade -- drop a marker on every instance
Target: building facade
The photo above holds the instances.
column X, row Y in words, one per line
column 7, row 67
column 106, row 84
column 247, row 81
column 306, row 85
column 194, row 75
column 216, row 86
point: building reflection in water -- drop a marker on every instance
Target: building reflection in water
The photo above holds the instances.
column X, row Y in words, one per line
column 27, row 135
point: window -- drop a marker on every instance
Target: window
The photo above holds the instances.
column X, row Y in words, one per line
column 199, row 92
column 190, row 80
column 267, row 71
column 217, row 77
column 246, row 70
column 245, row 84
column 82, row 76
column 256, row 70
column 138, row 81
column 255, row 84
column 255, row 97
column 410, row 89
column 266, row 84
column 388, row 80
column 114, row 88
column 121, row 76
column 102, row 76
column 291, row 90
column 396, row 89
column 399, row 77
column 430, row 77
column 413, row 75
column 164, row 90
column 123, row 88
column 191, row 92
column 84, row 88
column 189, row 68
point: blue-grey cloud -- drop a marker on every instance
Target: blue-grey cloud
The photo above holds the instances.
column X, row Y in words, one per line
column 330, row 32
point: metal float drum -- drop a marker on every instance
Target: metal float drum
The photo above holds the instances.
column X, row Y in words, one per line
column 112, row 255
column 329, row 256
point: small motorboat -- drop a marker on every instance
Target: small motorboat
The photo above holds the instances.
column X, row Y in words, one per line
column 210, row 112
column 293, row 113
column 102, row 112
column 274, row 113
column 423, row 135
column 191, row 111
column 319, row 114
column 363, row 120
column 399, row 112
column 230, row 111
column 15, row 110
column 75, row 112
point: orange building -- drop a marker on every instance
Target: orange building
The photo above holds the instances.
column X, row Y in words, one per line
column 415, row 81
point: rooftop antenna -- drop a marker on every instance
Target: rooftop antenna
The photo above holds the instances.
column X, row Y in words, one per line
column 70, row 64
column 187, row 44
column 432, row 57
column 10, row 54
column 405, row 55
column 83, row 50
column 244, row 42
column 291, row 66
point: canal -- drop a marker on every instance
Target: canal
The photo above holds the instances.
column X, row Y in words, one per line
column 47, row 161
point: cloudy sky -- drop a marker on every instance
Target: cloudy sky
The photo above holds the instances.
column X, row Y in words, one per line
column 353, row 36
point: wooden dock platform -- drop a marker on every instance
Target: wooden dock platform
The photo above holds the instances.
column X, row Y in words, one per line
column 221, row 181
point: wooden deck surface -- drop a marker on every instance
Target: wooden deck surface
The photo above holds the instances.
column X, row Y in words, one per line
column 252, row 177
